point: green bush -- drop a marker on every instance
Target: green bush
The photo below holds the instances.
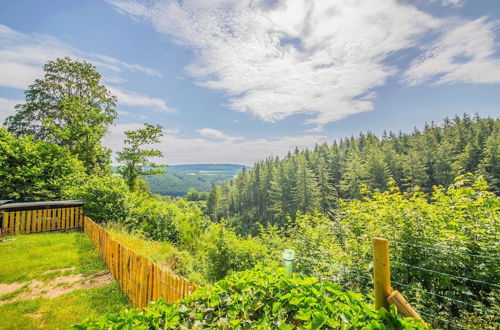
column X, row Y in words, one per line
column 107, row 198
column 224, row 252
column 261, row 298
column 453, row 231
column 36, row 170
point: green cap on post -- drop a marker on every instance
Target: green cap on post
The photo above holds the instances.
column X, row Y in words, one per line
column 289, row 257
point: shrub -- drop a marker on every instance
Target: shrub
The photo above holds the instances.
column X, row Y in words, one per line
column 107, row 198
column 36, row 170
column 261, row 298
column 224, row 252
column 438, row 242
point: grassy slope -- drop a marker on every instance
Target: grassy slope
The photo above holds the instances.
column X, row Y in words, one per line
column 29, row 257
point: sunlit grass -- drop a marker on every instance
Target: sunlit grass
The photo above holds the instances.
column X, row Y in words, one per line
column 63, row 311
column 33, row 256
column 36, row 257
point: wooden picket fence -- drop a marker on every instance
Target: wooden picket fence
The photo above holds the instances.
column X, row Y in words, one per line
column 140, row 278
column 42, row 220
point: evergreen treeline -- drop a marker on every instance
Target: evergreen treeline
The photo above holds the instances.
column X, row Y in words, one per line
column 311, row 180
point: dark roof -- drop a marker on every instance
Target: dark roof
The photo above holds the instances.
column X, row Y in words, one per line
column 41, row 204
column 5, row 201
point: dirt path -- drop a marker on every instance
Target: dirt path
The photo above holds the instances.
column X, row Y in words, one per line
column 56, row 287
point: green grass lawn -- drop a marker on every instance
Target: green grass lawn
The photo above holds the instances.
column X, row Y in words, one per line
column 32, row 256
column 35, row 257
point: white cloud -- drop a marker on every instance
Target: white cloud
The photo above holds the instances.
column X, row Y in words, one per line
column 134, row 99
column 453, row 3
column 7, row 108
column 216, row 134
column 464, row 53
column 276, row 59
column 22, row 57
column 182, row 150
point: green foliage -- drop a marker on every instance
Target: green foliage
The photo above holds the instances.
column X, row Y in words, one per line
column 35, row 170
column 69, row 107
column 136, row 158
column 262, row 298
column 224, row 252
column 458, row 225
column 178, row 179
column 194, row 195
column 33, row 256
column 312, row 180
column 107, row 198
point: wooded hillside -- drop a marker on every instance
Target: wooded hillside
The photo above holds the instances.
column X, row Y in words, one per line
column 314, row 180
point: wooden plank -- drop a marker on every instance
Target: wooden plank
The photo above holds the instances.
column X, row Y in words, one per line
column 79, row 217
column 33, row 219
column 7, row 220
column 46, row 223
column 404, row 308
column 155, row 282
column 66, row 218
column 50, row 219
column 5, row 223
column 39, row 214
column 58, row 218
column 16, row 222
column 63, row 218
column 21, row 223
column 54, row 219
column 72, row 217
column 42, row 221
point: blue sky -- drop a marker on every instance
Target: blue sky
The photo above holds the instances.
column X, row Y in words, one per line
column 237, row 81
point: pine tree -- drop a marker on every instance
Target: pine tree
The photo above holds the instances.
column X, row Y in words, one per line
column 213, row 202
column 352, row 175
column 376, row 172
column 328, row 195
column 414, row 170
column 305, row 194
column 280, row 193
column 490, row 164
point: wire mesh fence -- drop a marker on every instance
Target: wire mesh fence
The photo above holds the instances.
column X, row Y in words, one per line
column 441, row 295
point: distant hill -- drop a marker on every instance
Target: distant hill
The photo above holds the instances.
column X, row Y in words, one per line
column 178, row 179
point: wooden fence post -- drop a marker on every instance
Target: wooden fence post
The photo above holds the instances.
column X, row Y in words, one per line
column 381, row 272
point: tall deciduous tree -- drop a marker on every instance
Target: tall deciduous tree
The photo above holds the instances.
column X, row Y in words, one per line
column 69, row 107
column 136, row 159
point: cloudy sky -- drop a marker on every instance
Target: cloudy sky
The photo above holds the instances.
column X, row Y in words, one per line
column 234, row 81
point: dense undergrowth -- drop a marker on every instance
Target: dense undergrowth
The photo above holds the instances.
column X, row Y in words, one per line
column 261, row 298
column 461, row 222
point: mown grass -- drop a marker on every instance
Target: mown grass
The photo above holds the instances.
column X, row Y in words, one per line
column 63, row 311
column 34, row 256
